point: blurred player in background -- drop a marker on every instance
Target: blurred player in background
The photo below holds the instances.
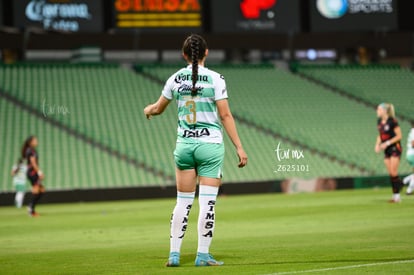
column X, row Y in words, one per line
column 389, row 141
column 34, row 173
column 203, row 109
column 410, row 158
column 18, row 173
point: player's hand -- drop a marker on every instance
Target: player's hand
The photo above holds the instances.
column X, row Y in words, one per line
column 147, row 111
column 383, row 146
column 377, row 148
column 242, row 157
column 41, row 175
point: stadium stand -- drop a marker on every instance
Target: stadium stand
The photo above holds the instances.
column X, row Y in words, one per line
column 308, row 115
column 372, row 84
column 68, row 162
column 105, row 141
column 105, row 106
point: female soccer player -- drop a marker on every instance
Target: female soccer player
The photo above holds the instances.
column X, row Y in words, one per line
column 19, row 172
column 201, row 97
column 388, row 140
column 34, row 173
column 410, row 158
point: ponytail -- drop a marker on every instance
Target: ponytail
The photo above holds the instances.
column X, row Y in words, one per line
column 26, row 145
column 389, row 109
column 194, row 48
column 194, row 58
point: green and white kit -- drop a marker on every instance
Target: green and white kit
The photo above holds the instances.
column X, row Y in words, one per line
column 199, row 131
column 20, row 178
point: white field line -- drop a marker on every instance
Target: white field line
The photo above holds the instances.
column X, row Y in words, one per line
column 342, row 267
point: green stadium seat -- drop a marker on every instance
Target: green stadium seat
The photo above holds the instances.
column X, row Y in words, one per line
column 106, row 102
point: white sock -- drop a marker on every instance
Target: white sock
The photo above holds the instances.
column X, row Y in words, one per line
column 19, row 199
column 179, row 219
column 410, row 187
column 207, row 200
column 411, row 183
column 396, row 197
column 407, row 179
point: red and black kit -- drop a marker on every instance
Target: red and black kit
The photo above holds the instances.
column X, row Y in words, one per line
column 387, row 132
column 31, row 173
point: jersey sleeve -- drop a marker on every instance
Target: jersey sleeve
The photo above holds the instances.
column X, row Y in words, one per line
column 29, row 153
column 394, row 123
column 220, row 89
column 167, row 90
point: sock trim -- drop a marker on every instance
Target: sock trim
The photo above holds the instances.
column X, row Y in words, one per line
column 207, row 195
column 185, row 197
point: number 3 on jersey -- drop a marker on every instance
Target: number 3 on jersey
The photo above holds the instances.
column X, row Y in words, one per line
column 192, row 117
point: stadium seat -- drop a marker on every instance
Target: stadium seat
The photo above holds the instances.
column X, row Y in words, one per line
column 105, row 105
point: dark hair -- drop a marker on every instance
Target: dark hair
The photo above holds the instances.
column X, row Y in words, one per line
column 194, row 48
column 26, row 145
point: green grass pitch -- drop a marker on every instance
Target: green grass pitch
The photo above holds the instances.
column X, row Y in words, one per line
column 341, row 232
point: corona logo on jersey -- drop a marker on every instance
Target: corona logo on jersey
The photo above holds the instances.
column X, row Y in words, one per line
column 251, row 8
column 333, row 9
column 157, row 13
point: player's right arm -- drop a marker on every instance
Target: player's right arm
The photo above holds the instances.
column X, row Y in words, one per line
column 14, row 170
column 156, row 108
column 159, row 107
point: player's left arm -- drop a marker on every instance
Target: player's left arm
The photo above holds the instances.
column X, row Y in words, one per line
column 398, row 135
column 230, row 126
column 397, row 138
column 156, row 108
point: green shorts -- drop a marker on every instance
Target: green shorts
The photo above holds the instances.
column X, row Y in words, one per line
column 19, row 186
column 410, row 159
column 206, row 158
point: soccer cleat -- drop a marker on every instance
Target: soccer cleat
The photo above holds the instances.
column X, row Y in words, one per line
column 174, row 259
column 31, row 212
column 394, row 201
column 206, row 259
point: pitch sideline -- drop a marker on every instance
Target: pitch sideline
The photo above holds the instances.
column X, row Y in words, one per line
column 341, row 267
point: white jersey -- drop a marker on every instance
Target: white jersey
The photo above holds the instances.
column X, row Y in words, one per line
column 198, row 120
column 410, row 148
column 20, row 177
